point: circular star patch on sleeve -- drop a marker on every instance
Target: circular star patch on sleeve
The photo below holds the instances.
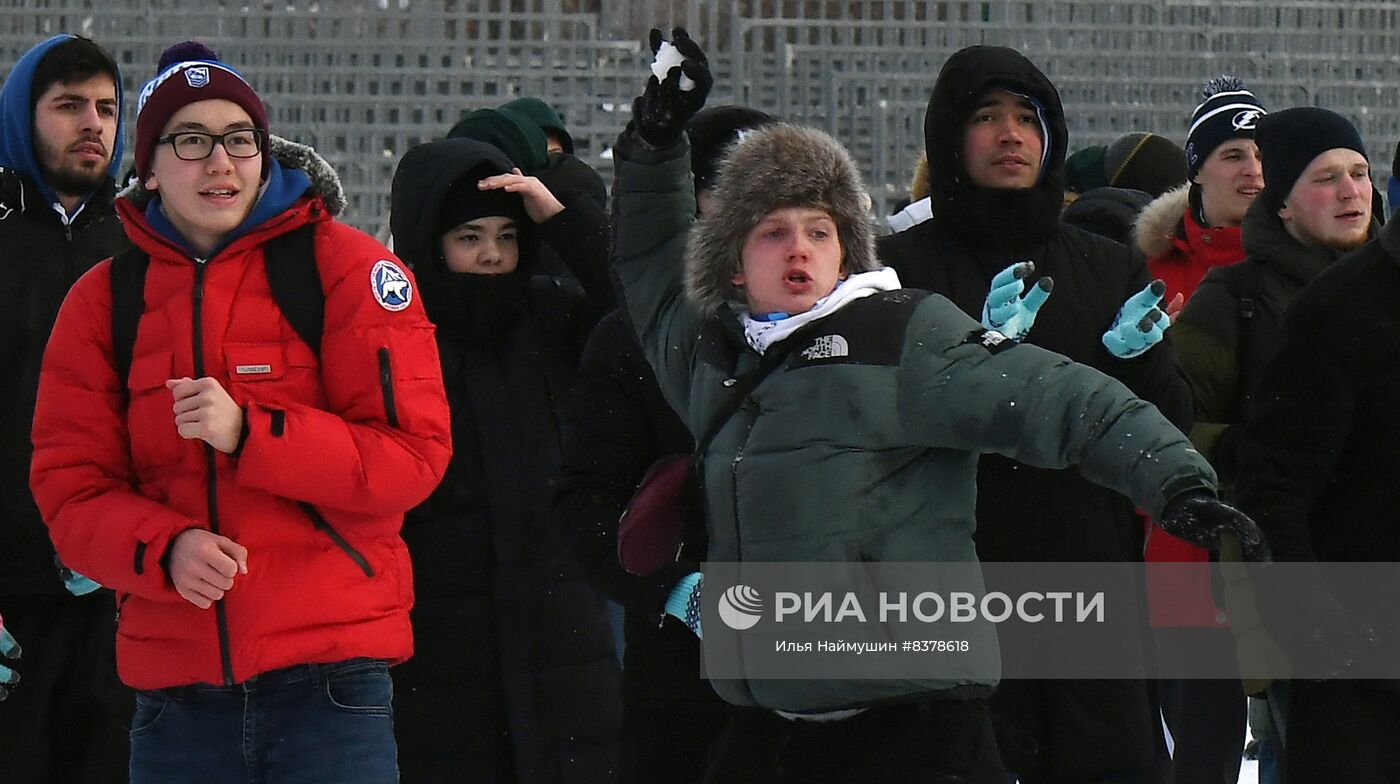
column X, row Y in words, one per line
column 392, row 289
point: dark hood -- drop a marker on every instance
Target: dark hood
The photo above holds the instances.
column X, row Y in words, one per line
column 17, row 120
column 1002, row 218
column 455, row 302
column 421, row 182
column 1108, row 212
column 568, row 177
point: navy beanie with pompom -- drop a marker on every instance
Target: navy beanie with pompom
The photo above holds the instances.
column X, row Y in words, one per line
column 1229, row 111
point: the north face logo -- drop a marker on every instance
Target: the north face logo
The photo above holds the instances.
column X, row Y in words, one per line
column 826, row 347
column 991, row 338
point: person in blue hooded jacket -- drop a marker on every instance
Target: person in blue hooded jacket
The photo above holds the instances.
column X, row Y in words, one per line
column 60, row 146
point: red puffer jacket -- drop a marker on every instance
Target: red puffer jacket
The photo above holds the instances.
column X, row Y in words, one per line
column 1180, row 251
column 355, row 439
column 1182, row 258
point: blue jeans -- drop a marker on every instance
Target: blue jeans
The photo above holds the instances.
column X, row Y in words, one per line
column 298, row 725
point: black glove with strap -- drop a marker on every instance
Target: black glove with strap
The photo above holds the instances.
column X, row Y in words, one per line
column 1198, row 517
column 661, row 112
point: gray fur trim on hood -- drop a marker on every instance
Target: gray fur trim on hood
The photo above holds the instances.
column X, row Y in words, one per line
column 1158, row 221
column 292, row 155
column 775, row 166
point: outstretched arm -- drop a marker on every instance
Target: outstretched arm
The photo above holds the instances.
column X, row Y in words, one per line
column 962, row 387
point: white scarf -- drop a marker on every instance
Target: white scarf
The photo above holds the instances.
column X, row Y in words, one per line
column 762, row 334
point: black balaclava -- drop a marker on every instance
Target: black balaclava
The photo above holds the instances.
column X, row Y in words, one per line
column 435, row 191
column 484, row 307
column 994, row 218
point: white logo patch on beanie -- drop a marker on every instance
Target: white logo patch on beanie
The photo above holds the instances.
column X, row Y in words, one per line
column 1245, row 120
column 390, row 285
column 197, row 76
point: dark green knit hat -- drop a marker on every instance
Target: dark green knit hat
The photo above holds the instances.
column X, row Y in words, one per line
column 510, row 132
column 541, row 114
column 1084, row 170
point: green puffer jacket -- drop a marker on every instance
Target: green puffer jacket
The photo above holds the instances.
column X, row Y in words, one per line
column 868, row 452
column 1224, row 344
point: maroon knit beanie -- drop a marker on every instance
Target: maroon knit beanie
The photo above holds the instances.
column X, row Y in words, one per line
column 189, row 72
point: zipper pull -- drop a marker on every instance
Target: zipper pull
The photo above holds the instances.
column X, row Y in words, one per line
column 63, row 218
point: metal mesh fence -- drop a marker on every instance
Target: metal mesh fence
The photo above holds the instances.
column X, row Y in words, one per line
column 364, row 80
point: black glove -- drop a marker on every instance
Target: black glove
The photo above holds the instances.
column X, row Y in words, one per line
column 1198, row 517
column 1332, row 639
column 1321, row 638
column 662, row 111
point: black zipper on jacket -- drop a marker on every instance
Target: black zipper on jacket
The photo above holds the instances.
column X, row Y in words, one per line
column 386, row 386
column 140, row 558
column 220, row 612
column 734, row 493
column 318, row 520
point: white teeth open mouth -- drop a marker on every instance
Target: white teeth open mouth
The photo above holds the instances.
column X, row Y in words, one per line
column 798, row 277
column 217, row 193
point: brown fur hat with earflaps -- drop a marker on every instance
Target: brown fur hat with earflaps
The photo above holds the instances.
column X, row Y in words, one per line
column 776, row 166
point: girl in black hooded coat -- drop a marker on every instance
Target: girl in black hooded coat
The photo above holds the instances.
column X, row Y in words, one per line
column 514, row 678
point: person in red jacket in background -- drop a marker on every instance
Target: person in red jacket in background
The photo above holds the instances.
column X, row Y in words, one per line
column 1188, row 230
column 241, row 491
column 1184, row 233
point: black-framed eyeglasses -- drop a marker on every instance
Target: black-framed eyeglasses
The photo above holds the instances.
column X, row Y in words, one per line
column 198, row 145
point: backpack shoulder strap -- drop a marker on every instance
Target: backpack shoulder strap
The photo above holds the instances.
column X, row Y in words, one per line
column 128, row 303
column 747, row 383
column 292, row 274
column 1244, row 283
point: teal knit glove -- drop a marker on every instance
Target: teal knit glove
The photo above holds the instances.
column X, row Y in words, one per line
column 1005, row 310
column 684, row 601
column 1141, row 323
column 77, row 584
column 9, row 648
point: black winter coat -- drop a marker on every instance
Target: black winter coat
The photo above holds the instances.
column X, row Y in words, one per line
column 44, row 259
column 1318, row 458
column 1317, row 467
column 569, row 179
column 514, row 677
column 1108, row 212
column 617, row 425
column 1225, row 344
column 1054, row 728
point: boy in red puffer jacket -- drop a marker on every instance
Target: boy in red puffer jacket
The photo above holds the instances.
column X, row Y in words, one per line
column 241, row 490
